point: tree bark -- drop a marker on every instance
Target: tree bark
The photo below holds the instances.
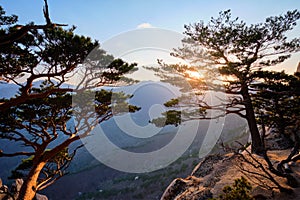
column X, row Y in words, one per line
column 256, row 144
column 28, row 189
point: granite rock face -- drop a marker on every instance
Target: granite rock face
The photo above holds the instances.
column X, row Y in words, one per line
column 11, row 193
column 198, row 185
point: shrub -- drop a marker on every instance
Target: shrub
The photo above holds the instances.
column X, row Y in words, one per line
column 240, row 190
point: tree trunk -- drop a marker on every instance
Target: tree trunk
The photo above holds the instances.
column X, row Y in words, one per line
column 256, row 144
column 28, row 189
column 280, row 121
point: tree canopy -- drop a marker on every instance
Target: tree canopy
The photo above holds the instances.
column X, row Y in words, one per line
column 233, row 57
column 40, row 60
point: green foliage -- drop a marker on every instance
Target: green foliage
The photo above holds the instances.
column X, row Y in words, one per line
column 238, row 191
column 232, row 56
column 25, row 165
column 277, row 100
column 39, row 117
column 246, row 43
column 172, row 102
column 36, row 116
column 61, row 158
column 54, row 54
column 118, row 67
column 7, row 20
column 171, row 117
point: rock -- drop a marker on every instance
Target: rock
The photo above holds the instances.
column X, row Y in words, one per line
column 199, row 185
column 15, row 189
column 19, row 182
column 2, row 196
column 16, row 186
column 182, row 188
column 40, row 197
column 206, row 165
column 4, row 192
column 176, row 187
column 205, row 194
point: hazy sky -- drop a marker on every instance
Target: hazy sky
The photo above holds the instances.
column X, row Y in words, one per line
column 104, row 19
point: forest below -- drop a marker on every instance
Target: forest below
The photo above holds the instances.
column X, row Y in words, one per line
column 219, row 123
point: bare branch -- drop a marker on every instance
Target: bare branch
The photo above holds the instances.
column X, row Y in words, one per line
column 16, row 154
column 23, row 30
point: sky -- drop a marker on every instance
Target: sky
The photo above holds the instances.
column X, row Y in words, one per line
column 106, row 19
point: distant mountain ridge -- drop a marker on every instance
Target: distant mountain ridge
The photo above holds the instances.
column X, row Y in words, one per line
column 148, row 95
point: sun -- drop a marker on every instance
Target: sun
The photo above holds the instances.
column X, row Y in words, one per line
column 194, row 75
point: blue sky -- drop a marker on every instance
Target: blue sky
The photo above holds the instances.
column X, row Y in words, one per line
column 103, row 19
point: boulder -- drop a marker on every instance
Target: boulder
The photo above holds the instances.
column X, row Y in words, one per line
column 40, row 197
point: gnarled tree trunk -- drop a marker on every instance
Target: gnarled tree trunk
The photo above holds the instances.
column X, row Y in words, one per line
column 29, row 187
column 256, row 145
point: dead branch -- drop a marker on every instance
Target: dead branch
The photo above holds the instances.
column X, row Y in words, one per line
column 23, row 30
